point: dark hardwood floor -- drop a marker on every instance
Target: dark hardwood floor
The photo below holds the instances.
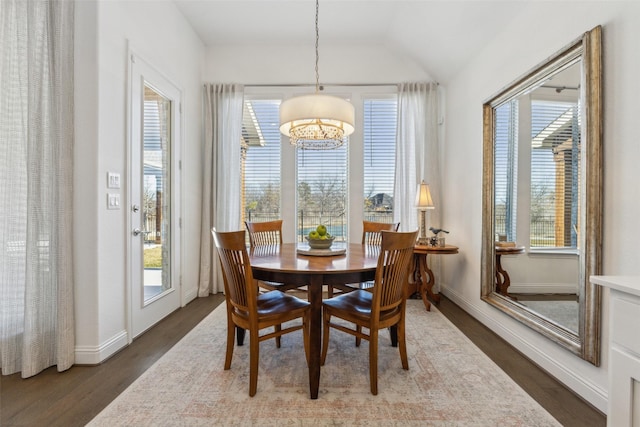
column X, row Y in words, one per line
column 74, row 397
column 569, row 409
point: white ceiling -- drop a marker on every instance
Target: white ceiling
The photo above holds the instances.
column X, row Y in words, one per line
column 440, row 36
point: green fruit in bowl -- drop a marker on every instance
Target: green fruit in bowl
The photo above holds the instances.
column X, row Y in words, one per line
column 323, row 237
column 321, row 229
column 313, row 234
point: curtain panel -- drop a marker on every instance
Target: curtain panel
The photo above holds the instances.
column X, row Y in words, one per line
column 418, row 156
column 417, row 152
column 36, row 186
column 221, row 175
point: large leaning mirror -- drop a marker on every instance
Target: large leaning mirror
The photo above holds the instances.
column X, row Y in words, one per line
column 542, row 197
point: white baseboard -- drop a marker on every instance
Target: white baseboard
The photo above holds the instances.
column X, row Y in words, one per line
column 189, row 296
column 94, row 355
column 592, row 393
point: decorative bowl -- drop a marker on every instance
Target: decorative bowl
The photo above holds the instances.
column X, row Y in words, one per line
column 320, row 243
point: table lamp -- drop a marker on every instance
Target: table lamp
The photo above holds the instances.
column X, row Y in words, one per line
column 423, row 202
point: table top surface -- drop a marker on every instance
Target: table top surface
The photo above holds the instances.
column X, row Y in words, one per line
column 427, row 249
column 507, row 250
column 357, row 257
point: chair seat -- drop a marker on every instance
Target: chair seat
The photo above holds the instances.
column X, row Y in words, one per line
column 276, row 303
column 357, row 304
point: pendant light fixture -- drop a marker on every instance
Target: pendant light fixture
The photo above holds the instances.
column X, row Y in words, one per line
column 316, row 122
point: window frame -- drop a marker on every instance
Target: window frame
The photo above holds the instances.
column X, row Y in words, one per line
column 355, row 153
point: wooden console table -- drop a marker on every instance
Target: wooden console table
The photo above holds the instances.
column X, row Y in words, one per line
column 423, row 278
column 502, row 277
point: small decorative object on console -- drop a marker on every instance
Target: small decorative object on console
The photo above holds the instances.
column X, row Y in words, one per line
column 435, row 240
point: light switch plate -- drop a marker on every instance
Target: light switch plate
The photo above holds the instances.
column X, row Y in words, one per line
column 113, row 180
column 113, row 201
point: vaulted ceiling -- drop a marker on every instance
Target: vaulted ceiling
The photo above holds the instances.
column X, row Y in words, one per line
column 440, row 36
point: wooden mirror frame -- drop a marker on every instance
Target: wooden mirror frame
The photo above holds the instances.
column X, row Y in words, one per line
column 585, row 343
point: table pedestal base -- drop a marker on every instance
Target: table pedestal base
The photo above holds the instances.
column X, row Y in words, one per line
column 421, row 281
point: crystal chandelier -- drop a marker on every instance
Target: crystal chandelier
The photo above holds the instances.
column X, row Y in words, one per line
column 316, row 122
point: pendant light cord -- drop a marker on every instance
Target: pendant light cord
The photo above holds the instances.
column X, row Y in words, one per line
column 317, row 53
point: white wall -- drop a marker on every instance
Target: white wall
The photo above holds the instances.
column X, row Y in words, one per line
column 518, row 47
column 295, row 64
column 158, row 32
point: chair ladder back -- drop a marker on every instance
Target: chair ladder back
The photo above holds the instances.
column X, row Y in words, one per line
column 393, row 268
column 236, row 270
column 371, row 231
column 264, row 233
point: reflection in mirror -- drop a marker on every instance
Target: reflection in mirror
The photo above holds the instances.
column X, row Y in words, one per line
column 536, row 195
column 542, row 197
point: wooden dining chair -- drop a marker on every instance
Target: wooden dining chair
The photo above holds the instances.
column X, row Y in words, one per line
column 370, row 236
column 382, row 308
column 253, row 311
column 371, row 231
column 264, row 234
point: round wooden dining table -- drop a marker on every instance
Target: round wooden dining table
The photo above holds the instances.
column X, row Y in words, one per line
column 284, row 264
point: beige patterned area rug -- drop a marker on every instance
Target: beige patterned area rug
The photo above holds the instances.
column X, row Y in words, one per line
column 450, row 382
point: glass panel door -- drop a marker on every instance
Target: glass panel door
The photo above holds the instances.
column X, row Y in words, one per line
column 154, row 182
column 156, row 194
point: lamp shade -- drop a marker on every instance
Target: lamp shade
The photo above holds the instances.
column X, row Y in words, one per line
column 423, row 197
column 316, row 121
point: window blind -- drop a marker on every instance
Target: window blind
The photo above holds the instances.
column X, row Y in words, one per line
column 322, row 191
column 260, row 160
column 379, row 138
column 555, row 174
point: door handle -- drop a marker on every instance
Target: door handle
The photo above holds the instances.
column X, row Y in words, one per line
column 135, row 208
column 136, row 231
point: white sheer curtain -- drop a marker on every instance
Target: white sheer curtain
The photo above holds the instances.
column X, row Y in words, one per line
column 221, row 175
column 417, row 153
column 36, row 163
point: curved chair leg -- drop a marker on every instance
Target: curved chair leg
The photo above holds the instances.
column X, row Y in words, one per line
column 230, row 343
column 402, row 344
column 373, row 362
column 358, row 339
column 254, row 356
